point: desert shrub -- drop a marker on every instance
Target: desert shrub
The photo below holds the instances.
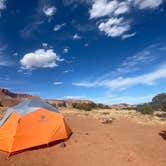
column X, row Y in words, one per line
column 89, row 106
column 130, row 108
column 159, row 102
column 84, row 106
column 103, row 106
column 145, row 108
column 163, row 108
column 63, row 104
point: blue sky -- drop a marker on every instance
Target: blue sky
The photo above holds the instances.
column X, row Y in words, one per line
column 106, row 51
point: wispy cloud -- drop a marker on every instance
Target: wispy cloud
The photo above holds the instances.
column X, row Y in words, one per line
column 4, row 59
column 57, row 27
column 49, row 10
column 150, row 78
column 66, row 50
column 76, row 37
column 124, row 99
column 2, row 5
column 117, row 78
column 44, row 44
column 86, row 44
column 57, row 83
column 114, row 26
column 37, row 18
column 67, row 71
column 144, row 4
column 74, row 97
column 133, row 63
column 126, row 36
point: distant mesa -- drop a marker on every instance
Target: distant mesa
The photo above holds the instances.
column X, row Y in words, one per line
column 122, row 106
column 8, row 98
column 68, row 102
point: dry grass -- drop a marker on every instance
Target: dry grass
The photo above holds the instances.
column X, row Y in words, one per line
column 157, row 118
column 111, row 114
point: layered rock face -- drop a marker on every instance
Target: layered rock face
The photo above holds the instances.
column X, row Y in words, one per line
column 8, row 99
column 68, row 102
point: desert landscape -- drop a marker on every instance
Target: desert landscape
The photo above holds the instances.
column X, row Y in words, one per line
column 82, row 82
column 125, row 141
column 101, row 137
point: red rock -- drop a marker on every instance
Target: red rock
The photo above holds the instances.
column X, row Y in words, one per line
column 8, row 98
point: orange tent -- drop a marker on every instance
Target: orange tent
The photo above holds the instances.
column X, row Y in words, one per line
column 29, row 124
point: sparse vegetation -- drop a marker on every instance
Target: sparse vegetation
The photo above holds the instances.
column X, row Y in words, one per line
column 90, row 106
column 63, row 104
column 159, row 102
column 86, row 107
column 145, row 108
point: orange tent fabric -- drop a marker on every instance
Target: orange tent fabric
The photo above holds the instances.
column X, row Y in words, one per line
column 36, row 128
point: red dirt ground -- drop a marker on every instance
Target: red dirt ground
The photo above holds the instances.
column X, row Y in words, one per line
column 122, row 143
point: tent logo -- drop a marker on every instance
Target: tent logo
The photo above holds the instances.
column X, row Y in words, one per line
column 42, row 118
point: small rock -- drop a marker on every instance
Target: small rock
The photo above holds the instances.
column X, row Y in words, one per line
column 106, row 121
column 62, row 145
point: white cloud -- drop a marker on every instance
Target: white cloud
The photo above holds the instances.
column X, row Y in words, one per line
column 66, row 50
column 2, row 4
column 115, row 11
column 57, row 83
column 123, row 7
column 44, row 44
column 58, row 26
column 49, row 11
column 76, row 37
column 144, row 4
column 102, row 8
column 86, row 44
column 40, row 59
column 124, row 99
column 67, row 71
column 74, row 97
column 125, row 82
column 15, row 54
column 126, row 36
column 114, row 26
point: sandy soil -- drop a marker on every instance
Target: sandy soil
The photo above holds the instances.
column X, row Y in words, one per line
column 121, row 143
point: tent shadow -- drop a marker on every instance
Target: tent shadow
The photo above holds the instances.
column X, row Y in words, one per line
column 163, row 134
column 40, row 146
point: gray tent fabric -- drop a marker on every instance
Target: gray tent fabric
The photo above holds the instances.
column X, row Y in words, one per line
column 27, row 106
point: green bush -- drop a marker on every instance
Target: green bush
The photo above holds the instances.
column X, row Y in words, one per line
column 89, row 106
column 103, row 106
column 145, row 108
column 86, row 107
column 63, row 104
column 159, row 102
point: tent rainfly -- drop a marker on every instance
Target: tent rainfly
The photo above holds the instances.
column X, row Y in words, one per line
column 29, row 124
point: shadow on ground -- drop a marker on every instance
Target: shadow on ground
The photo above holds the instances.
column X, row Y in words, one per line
column 163, row 134
column 163, row 115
